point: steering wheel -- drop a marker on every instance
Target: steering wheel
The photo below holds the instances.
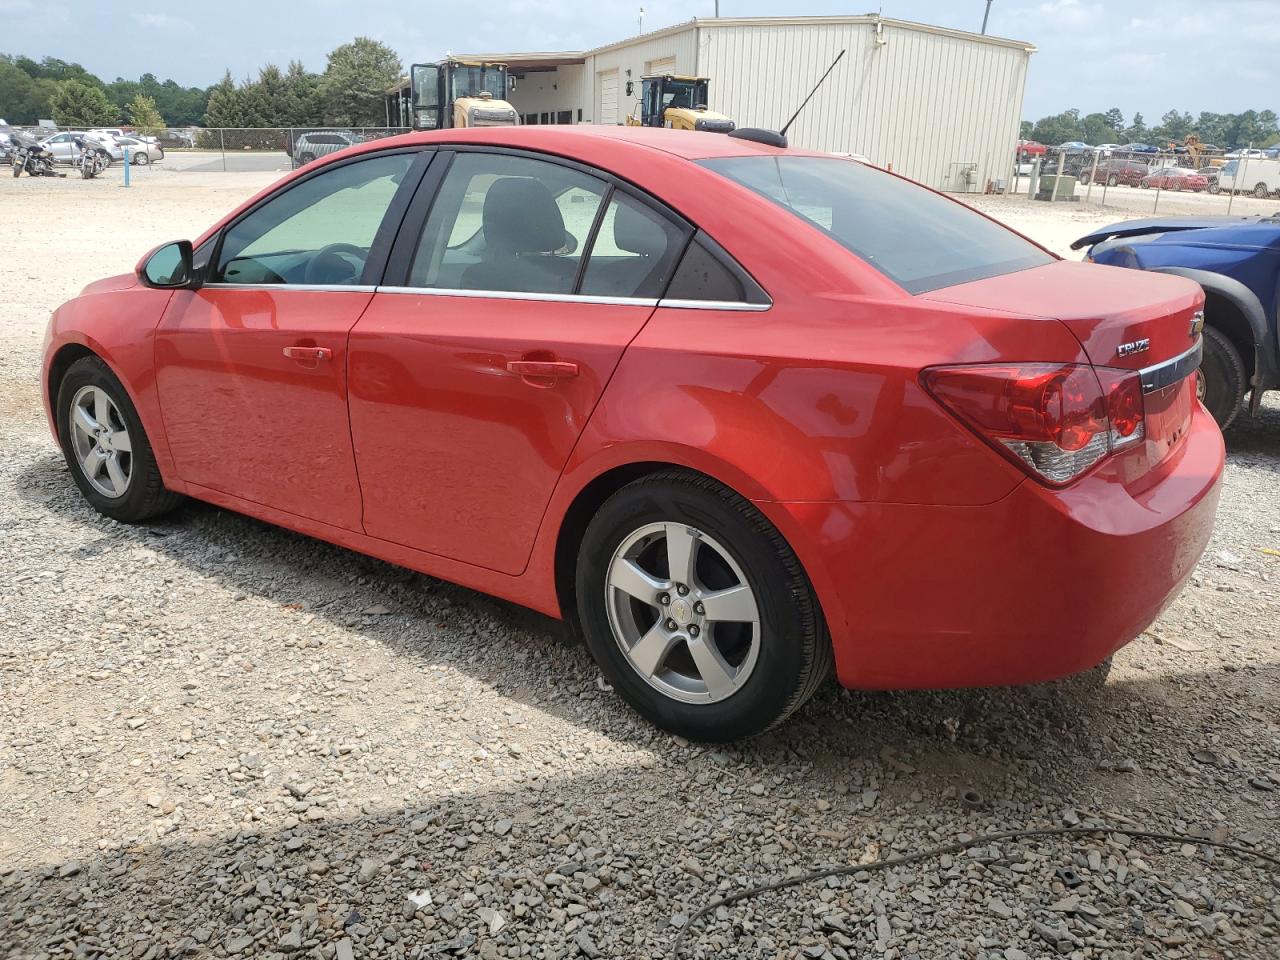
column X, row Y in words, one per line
column 336, row 263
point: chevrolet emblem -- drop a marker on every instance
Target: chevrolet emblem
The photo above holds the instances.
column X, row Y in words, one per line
column 1197, row 323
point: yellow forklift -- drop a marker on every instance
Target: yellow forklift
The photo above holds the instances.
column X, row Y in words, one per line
column 459, row 93
column 668, row 100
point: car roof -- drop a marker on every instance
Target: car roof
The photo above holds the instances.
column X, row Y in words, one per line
column 569, row 138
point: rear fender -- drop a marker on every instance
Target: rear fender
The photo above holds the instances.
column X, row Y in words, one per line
column 1266, row 364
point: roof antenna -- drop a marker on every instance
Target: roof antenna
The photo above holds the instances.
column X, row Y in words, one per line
column 787, row 125
column 779, row 138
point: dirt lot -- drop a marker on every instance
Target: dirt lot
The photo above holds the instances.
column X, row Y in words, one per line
column 218, row 738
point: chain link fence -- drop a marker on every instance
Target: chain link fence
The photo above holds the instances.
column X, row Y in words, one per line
column 1217, row 181
column 233, row 149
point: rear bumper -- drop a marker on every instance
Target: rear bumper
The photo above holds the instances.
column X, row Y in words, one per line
column 1036, row 586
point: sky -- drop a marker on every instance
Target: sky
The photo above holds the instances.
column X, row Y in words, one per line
column 1138, row 55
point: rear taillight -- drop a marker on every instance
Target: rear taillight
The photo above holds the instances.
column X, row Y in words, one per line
column 1055, row 420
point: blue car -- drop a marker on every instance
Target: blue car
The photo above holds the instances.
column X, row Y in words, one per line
column 1237, row 262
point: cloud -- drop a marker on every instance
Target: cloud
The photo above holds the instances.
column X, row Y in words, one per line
column 162, row 21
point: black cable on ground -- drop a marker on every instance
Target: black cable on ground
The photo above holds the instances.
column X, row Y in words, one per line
column 959, row 847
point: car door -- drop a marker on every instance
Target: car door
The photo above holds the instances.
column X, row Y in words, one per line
column 512, row 292
column 60, row 147
column 251, row 366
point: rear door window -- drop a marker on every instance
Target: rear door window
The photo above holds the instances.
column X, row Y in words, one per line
column 918, row 239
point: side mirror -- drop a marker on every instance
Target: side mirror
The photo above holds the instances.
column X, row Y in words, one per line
column 168, row 266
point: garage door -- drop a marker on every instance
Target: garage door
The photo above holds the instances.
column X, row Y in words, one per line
column 659, row 67
column 607, row 106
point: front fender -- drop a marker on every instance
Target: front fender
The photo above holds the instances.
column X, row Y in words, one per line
column 1266, row 352
column 118, row 326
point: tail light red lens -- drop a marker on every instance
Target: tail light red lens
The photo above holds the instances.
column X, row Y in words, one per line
column 1055, row 420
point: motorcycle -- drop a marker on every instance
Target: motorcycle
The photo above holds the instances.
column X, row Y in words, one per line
column 90, row 159
column 30, row 156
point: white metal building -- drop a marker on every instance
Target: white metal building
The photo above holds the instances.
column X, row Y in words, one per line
column 942, row 106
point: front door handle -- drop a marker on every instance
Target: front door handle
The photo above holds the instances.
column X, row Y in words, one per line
column 551, row 369
column 308, row 353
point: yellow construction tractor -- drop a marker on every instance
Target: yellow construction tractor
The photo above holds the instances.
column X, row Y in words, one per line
column 677, row 102
column 459, row 93
column 1197, row 155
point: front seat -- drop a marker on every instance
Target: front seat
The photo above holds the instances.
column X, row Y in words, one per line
column 643, row 274
column 522, row 230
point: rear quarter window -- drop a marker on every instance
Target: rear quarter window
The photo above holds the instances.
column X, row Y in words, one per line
column 918, row 239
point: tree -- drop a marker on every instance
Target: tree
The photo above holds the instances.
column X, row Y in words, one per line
column 355, row 82
column 303, row 104
column 23, row 99
column 1097, row 128
column 1115, row 120
column 1137, row 132
column 77, row 104
column 1025, row 130
column 1061, row 128
column 144, row 116
column 225, row 104
column 1174, row 126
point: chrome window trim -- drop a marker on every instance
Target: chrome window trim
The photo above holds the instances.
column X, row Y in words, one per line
column 309, row 287
column 715, row 305
column 1162, row 375
column 521, row 295
column 576, row 298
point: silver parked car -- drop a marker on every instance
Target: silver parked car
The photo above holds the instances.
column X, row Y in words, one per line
column 64, row 150
column 308, row 146
column 141, row 149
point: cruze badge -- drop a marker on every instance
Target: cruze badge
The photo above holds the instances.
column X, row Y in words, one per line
column 1197, row 323
column 1137, row 346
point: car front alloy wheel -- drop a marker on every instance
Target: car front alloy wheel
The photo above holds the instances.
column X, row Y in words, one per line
column 105, row 446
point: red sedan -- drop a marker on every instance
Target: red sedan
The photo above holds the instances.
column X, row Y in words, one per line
column 736, row 412
column 1175, row 178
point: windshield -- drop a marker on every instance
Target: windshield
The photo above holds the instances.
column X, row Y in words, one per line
column 918, row 239
column 1230, row 167
column 472, row 81
column 684, row 93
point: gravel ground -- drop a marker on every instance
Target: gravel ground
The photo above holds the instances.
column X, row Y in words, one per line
column 218, row 738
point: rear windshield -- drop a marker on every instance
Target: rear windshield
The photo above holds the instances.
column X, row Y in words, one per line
column 918, row 239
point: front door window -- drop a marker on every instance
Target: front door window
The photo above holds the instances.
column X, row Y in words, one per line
column 318, row 232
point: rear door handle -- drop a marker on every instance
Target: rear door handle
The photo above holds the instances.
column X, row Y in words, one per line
column 553, row 369
column 308, row 353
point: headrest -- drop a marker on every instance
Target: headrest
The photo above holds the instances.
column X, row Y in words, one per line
column 635, row 232
column 521, row 216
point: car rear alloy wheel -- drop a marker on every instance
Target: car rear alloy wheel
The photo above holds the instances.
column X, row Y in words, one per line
column 687, row 639
column 1260, row 191
column 697, row 610
column 105, row 446
column 1113, row 180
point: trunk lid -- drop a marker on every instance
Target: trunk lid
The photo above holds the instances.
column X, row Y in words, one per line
column 1124, row 320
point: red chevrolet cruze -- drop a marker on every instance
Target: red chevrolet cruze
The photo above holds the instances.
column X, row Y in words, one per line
column 736, row 412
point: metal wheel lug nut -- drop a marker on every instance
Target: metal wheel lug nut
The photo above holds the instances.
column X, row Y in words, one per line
column 693, row 630
column 671, row 624
column 682, row 589
column 665, row 599
column 699, row 609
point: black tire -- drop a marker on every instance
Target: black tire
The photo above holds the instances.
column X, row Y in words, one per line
column 795, row 653
column 1113, row 181
column 1145, row 185
column 139, row 158
column 146, row 496
column 1214, row 188
column 1261, row 192
column 305, row 158
column 1225, row 380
